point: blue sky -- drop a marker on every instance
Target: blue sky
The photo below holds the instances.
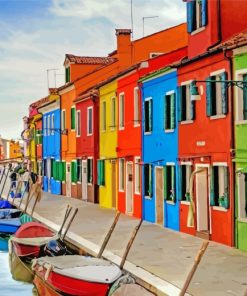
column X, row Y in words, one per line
column 35, row 35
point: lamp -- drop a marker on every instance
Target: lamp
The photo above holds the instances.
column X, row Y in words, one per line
column 194, row 93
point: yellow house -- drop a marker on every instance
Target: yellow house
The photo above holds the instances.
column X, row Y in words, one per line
column 107, row 165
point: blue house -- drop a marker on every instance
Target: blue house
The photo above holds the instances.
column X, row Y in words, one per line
column 160, row 148
column 51, row 127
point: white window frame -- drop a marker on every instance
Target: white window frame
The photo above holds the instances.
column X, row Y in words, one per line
column 103, row 122
column 188, row 99
column 45, row 126
column 78, row 123
column 187, row 164
column 72, row 107
column 121, row 110
column 137, row 115
column 52, row 124
column 239, row 98
column 137, row 175
column 63, row 119
column 220, row 166
column 113, row 113
column 146, row 100
column 121, row 175
column 169, row 93
column 91, row 162
column 89, row 109
column 49, row 125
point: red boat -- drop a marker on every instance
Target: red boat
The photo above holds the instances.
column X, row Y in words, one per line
column 30, row 238
column 74, row 275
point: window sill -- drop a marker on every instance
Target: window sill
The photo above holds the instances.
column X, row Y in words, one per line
column 185, row 202
column 137, row 193
column 220, row 116
column 137, row 125
column 148, row 197
column 121, row 190
column 88, row 135
column 168, row 131
column 78, row 136
column 187, row 121
column 147, row 133
column 239, row 122
column 79, row 182
column 220, row 209
column 199, row 30
column 244, row 220
column 90, row 184
column 121, row 129
column 169, row 202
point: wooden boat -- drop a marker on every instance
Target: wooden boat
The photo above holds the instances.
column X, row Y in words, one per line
column 9, row 226
column 30, row 238
column 9, row 213
column 76, row 275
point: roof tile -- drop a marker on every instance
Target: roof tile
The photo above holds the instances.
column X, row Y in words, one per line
column 90, row 60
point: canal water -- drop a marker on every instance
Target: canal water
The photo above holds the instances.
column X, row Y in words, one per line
column 8, row 286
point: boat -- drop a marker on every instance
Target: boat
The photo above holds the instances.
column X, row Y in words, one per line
column 9, row 213
column 75, row 275
column 9, row 226
column 4, row 238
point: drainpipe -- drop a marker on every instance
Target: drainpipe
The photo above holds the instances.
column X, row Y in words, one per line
column 219, row 26
column 232, row 141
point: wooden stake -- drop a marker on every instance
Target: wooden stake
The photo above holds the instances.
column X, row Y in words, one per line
column 70, row 222
column 130, row 244
column 194, row 267
column 108, row 236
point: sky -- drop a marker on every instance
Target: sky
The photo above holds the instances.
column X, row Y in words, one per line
column 35, row 35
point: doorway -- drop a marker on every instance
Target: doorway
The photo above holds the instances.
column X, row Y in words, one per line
column 202, row 200
column 113, row 180
column 129, row 187
column 68, row 179
column 84, row 180
column 159, row 193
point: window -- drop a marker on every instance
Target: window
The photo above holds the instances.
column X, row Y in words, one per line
column 121, row 174
column 101, row 172
column 217, row 96
column 89, row 121
column 121, row 111
column 61, row 171
column 196, row 14
column 72, row 114
column 241, row 100
column 148, row 180
column 137, row 175
column 245, row 99
column 48, row 125
column 52, row 124
column 52, row 168
column 45, row 125
column 73, row 171
column 79, row 170
column 242, row 194
column 67, row 74
column 45, row 167
column 219, row 186
column 170, row 111
column 63, row 120
column 113, row 113
column 78, row 123
column 187, row 107
column 103, row 116
column 148, row 112
column 170, row 183
column 185, row 171
column 90, row 171
column 137, row 116
column 39, row 167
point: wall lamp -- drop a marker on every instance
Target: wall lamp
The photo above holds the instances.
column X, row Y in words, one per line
column 194, row 93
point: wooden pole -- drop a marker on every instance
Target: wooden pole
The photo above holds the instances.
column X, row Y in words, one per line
column 70, row 222
column 108, row 236
column 130, row 244
column 67, row 213
column 194, row 267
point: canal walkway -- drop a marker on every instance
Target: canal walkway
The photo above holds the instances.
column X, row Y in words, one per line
column 159, row 257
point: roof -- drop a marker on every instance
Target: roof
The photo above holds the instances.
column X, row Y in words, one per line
column 89, row 60
column 237, row 40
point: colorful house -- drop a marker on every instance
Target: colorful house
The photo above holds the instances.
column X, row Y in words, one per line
column 15, row 149
column 240, row 152
column 51, row 132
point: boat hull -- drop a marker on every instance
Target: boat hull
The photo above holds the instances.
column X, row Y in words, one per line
column 9, row 226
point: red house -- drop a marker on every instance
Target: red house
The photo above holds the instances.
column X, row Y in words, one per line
column 205, row 129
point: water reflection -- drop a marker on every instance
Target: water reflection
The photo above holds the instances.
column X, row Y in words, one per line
column 8, row 286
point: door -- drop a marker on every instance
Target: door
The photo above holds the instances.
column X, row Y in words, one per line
column 113, row 180
column 84, row 180
column 202, row 200
column 68, row 179
column 129, row 187
column 159, row 193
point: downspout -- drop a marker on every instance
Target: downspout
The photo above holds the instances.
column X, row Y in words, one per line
column 232, row 141
column 219, row 26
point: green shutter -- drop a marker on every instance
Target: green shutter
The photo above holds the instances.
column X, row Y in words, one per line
column 212, row 197
column 173, row 187
column 67, row 74
column 226, row 189
column 245, row 98
column 173, row 110
column 150, row 181
column 73, row 172
column 224, row 93
column 179, row 101
column 209, row 96
column 73, row 118
column 63, row 171
column 150, row 114
column 54, row 168
column 102, row 172
column 165, row 182
column 98, row 172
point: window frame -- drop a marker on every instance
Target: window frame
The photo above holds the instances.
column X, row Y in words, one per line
column 150, row 181
column 49, row 125
column 63, row 119
column 148, row 100
column 187, row 110
column 79, row 170
column 170, row 94
column 169, row 199
column 73, row 122
column 121, row 118
column 242, row 196
column 220, row 166
column 187, row 181
column 113, row 113
column 137, row 109
column 137, row 173
column 78, row 123
column 52, row 124
column 121, row 175
column 103, row 122
column 239, row 98
column 90, row 174
column 89, row 110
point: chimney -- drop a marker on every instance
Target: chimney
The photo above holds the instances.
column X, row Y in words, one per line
column 124, row 46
